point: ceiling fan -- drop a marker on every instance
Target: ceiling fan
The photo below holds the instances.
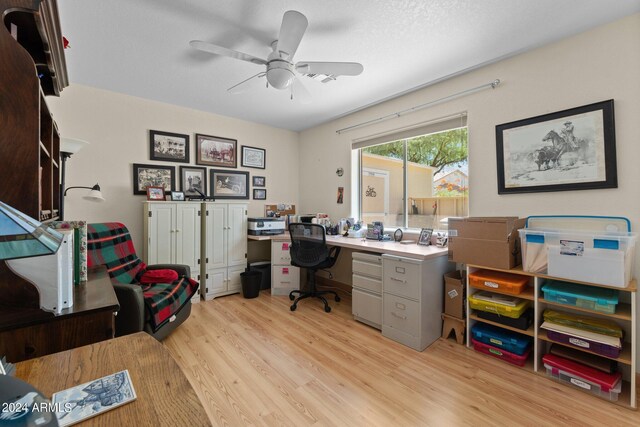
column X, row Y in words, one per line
column 279, row 64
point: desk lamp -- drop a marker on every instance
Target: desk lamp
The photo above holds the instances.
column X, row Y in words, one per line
column 40, row 255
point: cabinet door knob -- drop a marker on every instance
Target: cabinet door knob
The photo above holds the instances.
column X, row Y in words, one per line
column 178, row 230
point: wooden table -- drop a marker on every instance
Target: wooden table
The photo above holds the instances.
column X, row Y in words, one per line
column 26, row 332
column 165, row 396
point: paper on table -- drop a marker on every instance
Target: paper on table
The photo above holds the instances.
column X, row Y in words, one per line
column 579, row 333
column 497, row 298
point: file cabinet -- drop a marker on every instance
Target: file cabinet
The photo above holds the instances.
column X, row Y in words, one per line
column 284, row 277
column 412, row 294
column 366, row 305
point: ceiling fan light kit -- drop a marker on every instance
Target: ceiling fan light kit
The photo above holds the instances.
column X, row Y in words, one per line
column 280, row 70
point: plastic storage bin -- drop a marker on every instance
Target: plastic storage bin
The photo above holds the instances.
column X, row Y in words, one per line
column 512, row 342
column 596, row 347
column 514, row 359
column 585, row 323
column 523, row 322
column 495, row 307
column 589, row 297
column 507, row 283
column 604, row 258
column 598, row 383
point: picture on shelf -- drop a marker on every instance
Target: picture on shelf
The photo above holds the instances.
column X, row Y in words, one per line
column 259, row 194
column 216, row 151
column 192, row 180
column 425, row 236
column 155, row 193
column 168, row 147
column 229, row 184
column 152, row 176
column 177, row 196
column 259, row 181
column 253, row 157
column 87, row 400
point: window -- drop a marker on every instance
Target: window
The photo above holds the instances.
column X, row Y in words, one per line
column 415, row 181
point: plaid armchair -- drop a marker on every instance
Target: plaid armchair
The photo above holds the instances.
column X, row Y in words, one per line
column 156, row 308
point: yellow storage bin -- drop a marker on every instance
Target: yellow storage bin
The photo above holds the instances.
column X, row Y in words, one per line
column 486, row 301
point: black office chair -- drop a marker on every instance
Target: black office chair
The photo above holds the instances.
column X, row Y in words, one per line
column 309, row 250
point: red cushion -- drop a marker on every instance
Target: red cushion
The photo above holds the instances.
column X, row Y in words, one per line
column 159, row 276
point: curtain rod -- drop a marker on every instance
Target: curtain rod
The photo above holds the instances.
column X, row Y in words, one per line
column 492, row 85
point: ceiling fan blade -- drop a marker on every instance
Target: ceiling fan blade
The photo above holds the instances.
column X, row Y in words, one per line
column 219, row 50
column 294, row 24
column 330, row 68
column 299, row 92
column 248, row 84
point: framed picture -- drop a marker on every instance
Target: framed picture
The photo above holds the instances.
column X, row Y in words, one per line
column 253, row 157
column 259, row 181
column 216, row 151
column 573, row 149
column 192, row 180
column 153, row 176
column 168, row 147
column 155, row 193
column 340, row 198
column 229, row 184
column 259, row 194
column 177, row 196
column 425, row 236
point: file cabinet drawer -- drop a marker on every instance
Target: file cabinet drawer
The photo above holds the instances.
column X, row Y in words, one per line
column 367, row 269
column 402, row 314
column 367, row 308
column 368, row 283
column 284, row 279
column 402, row 277
column 280, row 252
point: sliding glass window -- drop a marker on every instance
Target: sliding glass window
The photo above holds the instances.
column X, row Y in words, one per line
column 417, row 181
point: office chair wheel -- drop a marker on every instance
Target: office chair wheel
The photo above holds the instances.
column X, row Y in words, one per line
column 293, row 307
column 337, row 298
column 327, row 309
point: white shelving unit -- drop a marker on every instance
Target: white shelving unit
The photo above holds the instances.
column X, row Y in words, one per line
column 625, row 316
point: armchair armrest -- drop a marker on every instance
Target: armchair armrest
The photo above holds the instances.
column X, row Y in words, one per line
column 182, row 270
column 130, row 318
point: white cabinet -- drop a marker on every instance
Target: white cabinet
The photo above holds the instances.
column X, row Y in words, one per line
column 412, row 299
column 366, row 305
column 172, row 235
column 284, row 277
column 224, row 247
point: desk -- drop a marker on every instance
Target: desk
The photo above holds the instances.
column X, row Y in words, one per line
column 387, row 247
column 165, row 396
column 30, row 332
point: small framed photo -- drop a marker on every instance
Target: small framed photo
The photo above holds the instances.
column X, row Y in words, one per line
column 216, row 151
column 193, row 179
column 168, row 147
column 177, row 196
column 155, row 193
column 259, row 181
column 253, row 157
column 259, row 194
column 229, row 184
column 145, row 176
column 425, row 236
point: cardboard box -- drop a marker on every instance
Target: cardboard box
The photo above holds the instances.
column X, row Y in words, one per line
column 454, row 294
column 486, row 241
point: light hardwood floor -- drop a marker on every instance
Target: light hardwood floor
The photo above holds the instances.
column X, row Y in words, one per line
column 252, row 361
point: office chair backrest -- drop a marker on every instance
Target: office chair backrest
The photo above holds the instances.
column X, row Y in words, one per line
column 308, row 245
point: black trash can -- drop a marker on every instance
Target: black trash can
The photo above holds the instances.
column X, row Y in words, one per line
column 251, row 281
column 263, row 267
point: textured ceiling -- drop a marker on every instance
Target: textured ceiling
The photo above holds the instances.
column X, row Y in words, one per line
column 141, row 47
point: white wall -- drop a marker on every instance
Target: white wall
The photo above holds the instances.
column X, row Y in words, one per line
column 117, row 127
column 597, row 65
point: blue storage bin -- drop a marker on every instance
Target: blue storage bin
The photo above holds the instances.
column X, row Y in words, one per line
column 589, row 297
column 502, row 338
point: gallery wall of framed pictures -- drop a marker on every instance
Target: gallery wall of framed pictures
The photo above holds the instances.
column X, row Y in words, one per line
column 196, row 180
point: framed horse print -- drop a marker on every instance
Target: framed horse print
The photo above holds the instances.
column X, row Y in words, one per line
column 572, row 149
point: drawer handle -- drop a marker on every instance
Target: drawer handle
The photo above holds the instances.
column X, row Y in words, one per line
column 398, row 280
column 285, row 282
column 398, row 316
